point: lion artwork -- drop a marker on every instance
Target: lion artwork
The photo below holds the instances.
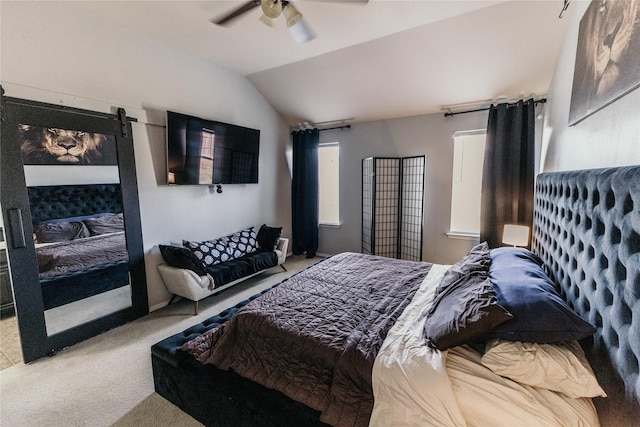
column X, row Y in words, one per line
column 614, row 25
column 607, row 57
column 60, row 146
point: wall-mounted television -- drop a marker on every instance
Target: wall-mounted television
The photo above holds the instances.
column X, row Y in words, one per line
column 207, row 152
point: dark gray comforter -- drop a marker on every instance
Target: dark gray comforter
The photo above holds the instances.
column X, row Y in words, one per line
column 63, row 257
column 315, row 337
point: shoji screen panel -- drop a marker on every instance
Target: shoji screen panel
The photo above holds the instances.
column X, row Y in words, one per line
column 412, row 199
column 367, row 205
column 392, row 194
column 386, row 206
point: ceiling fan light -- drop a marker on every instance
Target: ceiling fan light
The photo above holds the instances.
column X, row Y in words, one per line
column 271, row 8
column 301, row 32
column 269, row 22
column 291, row 14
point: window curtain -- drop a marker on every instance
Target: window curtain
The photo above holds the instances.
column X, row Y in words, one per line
column 304, row 192
column 508, row 171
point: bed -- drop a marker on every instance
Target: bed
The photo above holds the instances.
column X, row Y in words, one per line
column 80, row 241
column 224, row 373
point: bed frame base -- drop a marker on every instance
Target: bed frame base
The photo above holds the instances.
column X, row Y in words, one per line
column 223, row 398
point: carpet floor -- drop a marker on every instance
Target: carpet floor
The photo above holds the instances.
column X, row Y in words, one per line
column 107, row 380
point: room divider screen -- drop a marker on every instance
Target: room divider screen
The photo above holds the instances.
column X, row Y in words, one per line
column 392, row 206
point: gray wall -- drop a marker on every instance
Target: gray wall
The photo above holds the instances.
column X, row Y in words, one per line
column 106, row 66
column 610, row 137
column 99, row 67
column 429, row 135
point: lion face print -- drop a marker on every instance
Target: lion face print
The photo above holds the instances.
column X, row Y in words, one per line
column 41, row 145
column 614, row 26
column 607, row 56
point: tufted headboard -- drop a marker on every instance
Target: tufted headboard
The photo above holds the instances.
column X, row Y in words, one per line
column 587, row 230
column 64, row 201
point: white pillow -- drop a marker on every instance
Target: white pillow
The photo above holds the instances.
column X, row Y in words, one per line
column 561, row 366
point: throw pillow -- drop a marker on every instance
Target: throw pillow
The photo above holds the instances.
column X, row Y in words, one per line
column 477, row 260
column 525, row 290
column 269, row 237
column 210, row 252
column 561, row 367
column 463, row 312
column 60, row 232
column 242, row 243
column 179, row 257
column 105, row 224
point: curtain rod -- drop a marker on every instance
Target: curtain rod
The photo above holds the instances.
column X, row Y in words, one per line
column 321, row 130
column 450, row 113
column 337, row 127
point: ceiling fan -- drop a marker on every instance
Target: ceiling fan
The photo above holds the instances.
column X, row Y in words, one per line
column 271, row 10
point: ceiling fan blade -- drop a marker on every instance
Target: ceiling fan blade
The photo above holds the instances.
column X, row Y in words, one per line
column 244, row 8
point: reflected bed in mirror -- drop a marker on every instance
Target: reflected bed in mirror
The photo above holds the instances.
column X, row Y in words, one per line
column 81, row 252
column 59, row 163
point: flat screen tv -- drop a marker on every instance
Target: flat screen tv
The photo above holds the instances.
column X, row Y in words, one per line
column 206, row 152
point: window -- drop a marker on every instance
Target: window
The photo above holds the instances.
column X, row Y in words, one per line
column 206, row 157
column 468, row 158
column 329, row 188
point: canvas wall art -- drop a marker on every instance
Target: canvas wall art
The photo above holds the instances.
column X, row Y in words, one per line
column 54, row 146
column 607, row 58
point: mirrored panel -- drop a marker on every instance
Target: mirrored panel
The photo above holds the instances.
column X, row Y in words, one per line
column 71, row 213
column 75, row 200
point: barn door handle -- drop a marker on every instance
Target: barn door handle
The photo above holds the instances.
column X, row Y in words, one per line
column 17, row 228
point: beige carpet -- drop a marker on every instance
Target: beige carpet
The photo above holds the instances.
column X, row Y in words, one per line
column 108, row 380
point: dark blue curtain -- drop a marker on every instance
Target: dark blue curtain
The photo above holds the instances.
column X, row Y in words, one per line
column 508, row 172
column 304, row 192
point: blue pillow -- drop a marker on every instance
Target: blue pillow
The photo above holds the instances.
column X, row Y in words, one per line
column 524, row 289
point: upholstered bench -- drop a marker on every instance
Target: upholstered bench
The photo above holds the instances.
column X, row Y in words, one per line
column 201, row 269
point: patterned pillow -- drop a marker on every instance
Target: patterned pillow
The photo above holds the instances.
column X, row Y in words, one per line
column 242, row 243
column 225, row 248
column 209, row 252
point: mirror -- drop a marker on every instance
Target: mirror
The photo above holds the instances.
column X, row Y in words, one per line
column 80, row 246
column 71, row 213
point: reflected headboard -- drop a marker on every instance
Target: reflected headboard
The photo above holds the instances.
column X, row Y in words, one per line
column 587, row 230
column 64, row 201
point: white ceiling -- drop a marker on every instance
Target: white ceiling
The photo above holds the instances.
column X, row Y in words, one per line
column 383, row 59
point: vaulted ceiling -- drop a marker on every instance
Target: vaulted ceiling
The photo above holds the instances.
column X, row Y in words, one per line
column 373, row 60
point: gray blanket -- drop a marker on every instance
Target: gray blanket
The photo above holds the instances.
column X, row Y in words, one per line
column 315, row 337
column 80, row 254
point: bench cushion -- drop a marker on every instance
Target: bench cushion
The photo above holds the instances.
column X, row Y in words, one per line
column 235, row 269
